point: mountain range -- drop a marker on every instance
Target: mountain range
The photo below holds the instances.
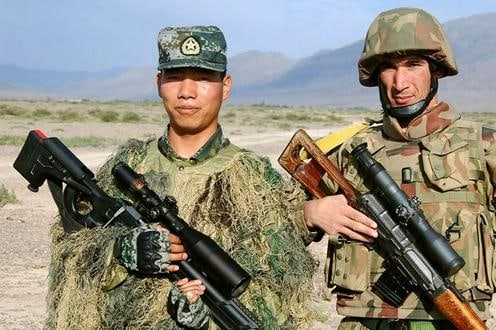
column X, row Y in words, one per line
column 326, row 78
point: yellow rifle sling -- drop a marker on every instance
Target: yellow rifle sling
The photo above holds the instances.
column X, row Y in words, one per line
column 331, row 141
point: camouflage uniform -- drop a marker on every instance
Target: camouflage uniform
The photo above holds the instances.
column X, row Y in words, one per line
column 256, row 231
column 451, row 165
column 229, row 194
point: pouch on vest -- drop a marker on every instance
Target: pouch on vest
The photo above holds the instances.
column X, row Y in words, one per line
column 476, row 246
column 445, row 163
column 348, row 266
column 486, row 243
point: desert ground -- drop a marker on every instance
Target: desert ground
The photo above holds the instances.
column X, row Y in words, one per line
column 24, row 225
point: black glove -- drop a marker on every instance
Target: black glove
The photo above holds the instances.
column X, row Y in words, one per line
column 144, row 249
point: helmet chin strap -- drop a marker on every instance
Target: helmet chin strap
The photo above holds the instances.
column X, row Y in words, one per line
column 407, row 112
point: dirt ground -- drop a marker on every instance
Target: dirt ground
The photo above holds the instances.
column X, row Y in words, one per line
column 24, row 226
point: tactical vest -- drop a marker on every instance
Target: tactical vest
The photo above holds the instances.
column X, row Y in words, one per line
column 447, row 171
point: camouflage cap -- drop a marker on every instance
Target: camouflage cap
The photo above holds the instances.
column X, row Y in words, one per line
column 193, row 46
column 405, row 31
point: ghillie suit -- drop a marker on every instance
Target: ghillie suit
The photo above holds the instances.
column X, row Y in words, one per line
column 231, row 195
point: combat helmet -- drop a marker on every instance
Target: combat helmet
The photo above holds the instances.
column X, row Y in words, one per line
column 406, row 31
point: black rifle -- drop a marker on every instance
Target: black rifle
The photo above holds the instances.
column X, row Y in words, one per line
column 418, row 258
column 82, row 204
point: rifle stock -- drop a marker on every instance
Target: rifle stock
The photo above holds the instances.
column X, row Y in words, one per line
column 415, row 267
column 309, row 173
column 458, row 312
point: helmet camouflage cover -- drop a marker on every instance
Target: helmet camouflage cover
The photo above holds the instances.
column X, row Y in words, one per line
column 405, row 31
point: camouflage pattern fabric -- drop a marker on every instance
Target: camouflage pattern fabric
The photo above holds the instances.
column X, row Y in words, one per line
column 452, row 164
column 353, row 323
column 79, row 297
column 191, row 315
column 405, row 31
column 233, row 196
column 193, row 46
column 151, row 257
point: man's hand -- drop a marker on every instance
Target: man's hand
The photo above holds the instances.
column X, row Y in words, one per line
column 333, row 215
column 177, row 251
column 150, row 248
column 191, row 289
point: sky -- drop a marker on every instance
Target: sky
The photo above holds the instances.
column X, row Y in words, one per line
column 95, row 35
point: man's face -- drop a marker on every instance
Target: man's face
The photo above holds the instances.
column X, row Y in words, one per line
column 192, row 98
column 406, row 79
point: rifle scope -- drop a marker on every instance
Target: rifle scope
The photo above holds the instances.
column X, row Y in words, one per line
column 434, row 246
column 217, row 265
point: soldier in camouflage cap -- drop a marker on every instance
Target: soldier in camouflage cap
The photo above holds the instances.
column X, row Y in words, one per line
column 117, row 278
column 423, row 143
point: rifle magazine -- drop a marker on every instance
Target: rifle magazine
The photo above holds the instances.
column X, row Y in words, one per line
column 394, row 285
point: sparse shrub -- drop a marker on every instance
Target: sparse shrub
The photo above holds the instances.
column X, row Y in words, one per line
column 228, row 114
column 275, row 116
column 41, row 112
column 68, row 115
column 84, row 141
column 95, row 112
column 89, row 141
column 109, row 116
column 148, row 103
column 334, row 118
column 130, row 117
column 11, row 110
column 295, row 116
column 6, row 196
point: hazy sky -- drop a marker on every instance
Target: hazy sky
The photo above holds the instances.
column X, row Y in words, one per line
column 99, row 34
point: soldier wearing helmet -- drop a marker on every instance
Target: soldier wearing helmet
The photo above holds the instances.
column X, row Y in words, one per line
column 432, row 153
column 395, row 34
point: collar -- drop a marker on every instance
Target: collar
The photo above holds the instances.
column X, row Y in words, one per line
column 430, row 121
column 207, row 151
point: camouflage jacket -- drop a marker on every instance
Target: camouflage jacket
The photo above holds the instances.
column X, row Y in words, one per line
column 229, row 194
column 452, row 165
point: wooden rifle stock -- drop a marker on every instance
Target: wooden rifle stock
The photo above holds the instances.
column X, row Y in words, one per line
column 458, row 312
column 309, row 174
